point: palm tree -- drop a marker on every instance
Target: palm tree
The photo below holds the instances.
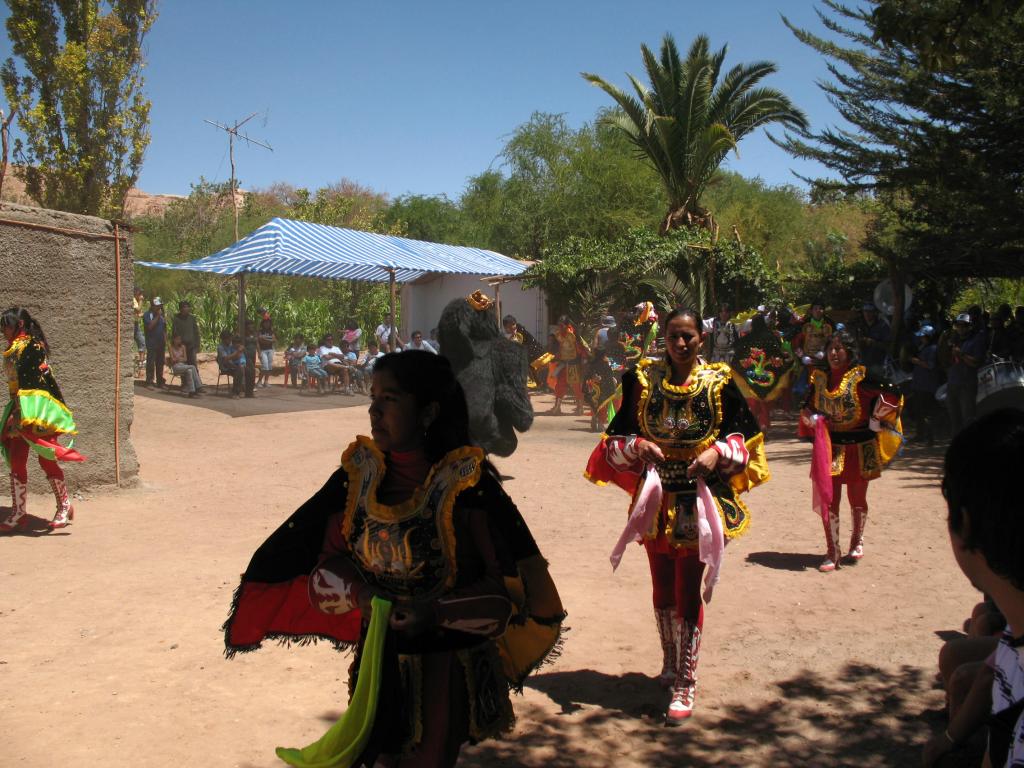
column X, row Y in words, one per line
column 686, row 121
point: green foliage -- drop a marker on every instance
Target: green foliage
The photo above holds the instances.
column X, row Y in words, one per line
column 435, row 219
column 203, row 224
column 557, row 182
column 989, row 294
column 586, row 277
column 80, row 106
column 936, row 132
column 686, row 121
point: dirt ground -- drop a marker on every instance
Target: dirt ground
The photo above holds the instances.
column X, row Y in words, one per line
column 111, row 651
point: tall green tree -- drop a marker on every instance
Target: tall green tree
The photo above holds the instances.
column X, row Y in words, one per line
column 934, row 134
column 554, row 182
column 82, row 112
column 687, row 120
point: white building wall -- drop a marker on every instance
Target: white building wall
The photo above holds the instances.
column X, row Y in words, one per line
column 424, row 300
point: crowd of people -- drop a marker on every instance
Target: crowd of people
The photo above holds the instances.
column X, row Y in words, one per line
column 330, row 363
column 413, row 553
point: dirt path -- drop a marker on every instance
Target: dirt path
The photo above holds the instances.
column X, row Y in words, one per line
column 111, row 652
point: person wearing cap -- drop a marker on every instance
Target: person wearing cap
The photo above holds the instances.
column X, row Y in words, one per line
column 873, row 335
column 969, row 346
column 184, row 325
column 601, row 336
column 925, row 381
column 156, row 341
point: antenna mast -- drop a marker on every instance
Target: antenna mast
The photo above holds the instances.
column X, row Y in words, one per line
column 232, row 132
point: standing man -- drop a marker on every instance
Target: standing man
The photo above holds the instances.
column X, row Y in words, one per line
column 723, row 336
column 383, row 333
column 873, row 335
column 969, row 346
column 156, row 341
column 184, row 324
column 810, row 345
column 601, row 336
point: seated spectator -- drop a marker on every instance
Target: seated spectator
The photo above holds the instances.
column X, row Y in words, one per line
column 231, row 360
column 353, row 375
column 373, row 354
column 986, row 530
column 418, row 343
column 333, row 359
column 314, row 366
column 177, row 359
column 293, row 359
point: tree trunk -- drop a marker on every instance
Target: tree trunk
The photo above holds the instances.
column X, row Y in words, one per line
column 899, row 282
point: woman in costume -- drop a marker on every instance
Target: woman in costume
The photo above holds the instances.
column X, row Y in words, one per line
column 412, row 537
column 855, row 425
column 34, row 419
column 761, row 368
column 684, row 445
column 568, row 366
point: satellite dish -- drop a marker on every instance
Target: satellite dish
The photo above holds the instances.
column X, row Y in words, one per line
column 885, row 298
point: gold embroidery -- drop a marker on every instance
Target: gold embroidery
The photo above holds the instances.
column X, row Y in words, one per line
column 841, row 405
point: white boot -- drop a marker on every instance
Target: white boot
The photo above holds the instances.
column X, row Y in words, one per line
column 684, row 690
column 65, row 512
column 860, row 520
column 19, row 493
column 666, row 631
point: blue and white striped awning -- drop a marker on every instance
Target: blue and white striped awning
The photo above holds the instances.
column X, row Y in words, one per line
column 289, row 247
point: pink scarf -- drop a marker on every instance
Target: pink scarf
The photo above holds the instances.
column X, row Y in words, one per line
column 711, row 537
column 821, row 470
column 642, row 514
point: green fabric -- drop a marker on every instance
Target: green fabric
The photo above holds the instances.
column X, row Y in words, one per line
column 346, row 739
column 40, row 410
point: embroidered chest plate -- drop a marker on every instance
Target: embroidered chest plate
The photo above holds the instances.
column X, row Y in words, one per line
column 841, row 405
column 683, row 420
column 407, row 548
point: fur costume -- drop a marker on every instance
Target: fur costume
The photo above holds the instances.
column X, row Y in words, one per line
column 491, row 369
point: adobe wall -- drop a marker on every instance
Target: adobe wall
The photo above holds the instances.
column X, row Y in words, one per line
column 67, row 280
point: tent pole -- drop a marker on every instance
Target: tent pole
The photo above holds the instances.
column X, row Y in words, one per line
column 497, row 301
column 393, row 336
column 241, row 305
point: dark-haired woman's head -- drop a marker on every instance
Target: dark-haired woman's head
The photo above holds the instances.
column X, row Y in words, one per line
column 979, row 482
column 683, row 336
column 16, row 321
column 417, row 403
column 842, row 350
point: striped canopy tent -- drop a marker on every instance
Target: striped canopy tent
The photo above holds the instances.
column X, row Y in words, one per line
column 302, row 249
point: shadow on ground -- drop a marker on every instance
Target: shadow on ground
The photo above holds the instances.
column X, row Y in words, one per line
column 865, row 716
column 274, row 399
column 786, row 561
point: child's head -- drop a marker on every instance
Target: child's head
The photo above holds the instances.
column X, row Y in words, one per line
column 225, row 337
column 310, row 349
column 979, row 483
column 416, row 402
column 176, row 340
column 297, row 341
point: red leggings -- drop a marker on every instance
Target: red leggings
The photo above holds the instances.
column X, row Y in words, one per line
column 856, row 491
column 17, row 453
column 676, row 582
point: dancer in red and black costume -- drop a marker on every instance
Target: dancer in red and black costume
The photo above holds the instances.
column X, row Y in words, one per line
column 684, row 445
column 415, row 516
column 855, row 425
column 34, row 419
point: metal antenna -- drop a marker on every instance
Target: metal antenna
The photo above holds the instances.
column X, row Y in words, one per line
column 232, row 132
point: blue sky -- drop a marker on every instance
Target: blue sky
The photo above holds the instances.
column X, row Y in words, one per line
column 410, row 96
